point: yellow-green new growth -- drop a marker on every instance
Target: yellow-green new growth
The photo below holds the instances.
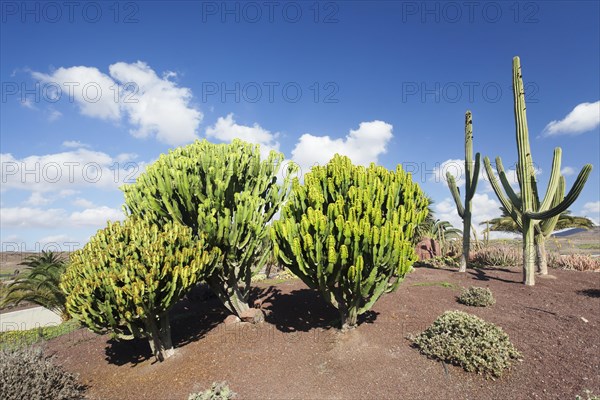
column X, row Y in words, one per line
column 130, row 274
column 529, row 212
column 347, row 231
column 472, row 176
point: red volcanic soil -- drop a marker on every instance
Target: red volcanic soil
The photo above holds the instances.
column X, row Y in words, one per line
column 298, row 354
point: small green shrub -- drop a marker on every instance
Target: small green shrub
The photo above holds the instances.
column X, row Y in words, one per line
column 468, row 341
column 218, row 391
column 588, row 396
column 27, row 373
column 577, row 262
column 258, row 278
column 438, row 262
column 286, row 274
column 476, row 297
column 497, row 256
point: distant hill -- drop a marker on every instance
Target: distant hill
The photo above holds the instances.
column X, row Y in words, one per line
column 584, row 233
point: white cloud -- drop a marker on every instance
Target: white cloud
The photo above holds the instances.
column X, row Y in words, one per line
column 125, row 157
column 567, row 171
column 75, row 144
column 37, row 199
column 68, row 171
column 455, row 167
column 28, row 103
column 592, row 211
column 153, row 106
column 40, row 199
column 159, row 107
column 27, row 217
column 362, row 146
column 96, row 216
column 583, row 118
column 226, row 129
column 57, row 240
column 483, row 208
column 67, row 192
column 93, row 91
column 53, row 115
column 83, row 203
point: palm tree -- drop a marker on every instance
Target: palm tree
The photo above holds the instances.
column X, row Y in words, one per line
column 425, row 228
column 565, row 220
column 505, row 223
column 39, row 284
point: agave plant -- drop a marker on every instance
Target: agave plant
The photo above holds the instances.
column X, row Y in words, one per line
column 39, row 283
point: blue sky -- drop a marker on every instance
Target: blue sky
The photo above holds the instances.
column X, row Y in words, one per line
column 93, row 93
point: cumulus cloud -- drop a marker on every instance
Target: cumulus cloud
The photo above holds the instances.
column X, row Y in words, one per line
column 567, row 171
column 484, row 207
column 92, row 90
column 592, row 211
column 96, row 216
column 226, row 129
column 28, row 103
column 57, row 241
column 31, row 217
column 363, row 145
column 153, row 105
column 157, row 105
column 74, row 144
column 27, row 217
column 583, row 118
column 53, row 115
column 68, row 170
column 37, row 199
column 457, row 168
column 83, row 203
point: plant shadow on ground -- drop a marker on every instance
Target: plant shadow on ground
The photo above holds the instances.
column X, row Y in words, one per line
column 200, row 311
column 191, row 319
column 300, row 310
column 589, row 292
column 481, row 274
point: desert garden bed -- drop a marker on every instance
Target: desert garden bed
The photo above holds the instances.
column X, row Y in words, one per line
column 297, row 353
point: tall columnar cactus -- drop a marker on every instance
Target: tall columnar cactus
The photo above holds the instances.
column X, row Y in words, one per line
column 347, row 231
column 128, row 276
column 472, row 176
column 545, row 228
column 527, row 210
column 223, row 192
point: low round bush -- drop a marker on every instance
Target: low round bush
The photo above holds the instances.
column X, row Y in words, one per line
column 218, row 391
column 25, row 373
column 476, row 297
column 468, row 341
